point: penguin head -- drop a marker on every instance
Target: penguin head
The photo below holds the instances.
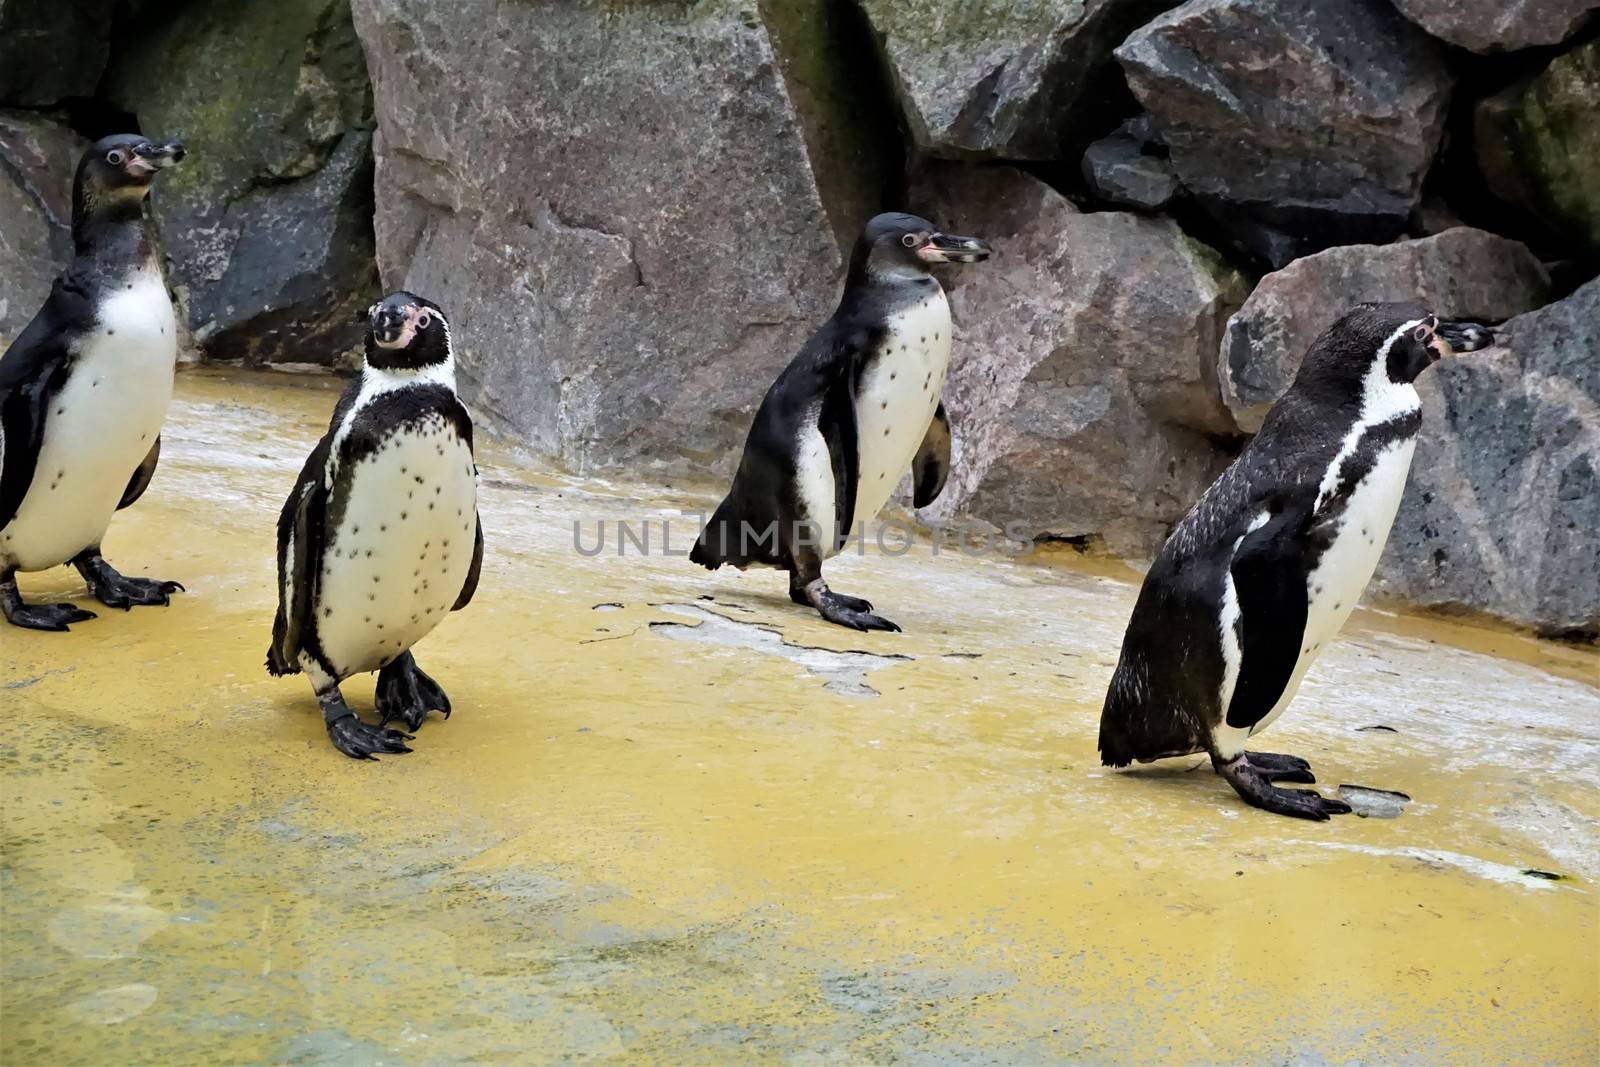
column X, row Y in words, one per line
column 117, row 170
column 1405, row 338
column 406, row 332
column 897, row 246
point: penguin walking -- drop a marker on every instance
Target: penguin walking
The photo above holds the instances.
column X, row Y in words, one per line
column 1263, row 571
column 84, row 389
column 380, row 537
column 856, row 407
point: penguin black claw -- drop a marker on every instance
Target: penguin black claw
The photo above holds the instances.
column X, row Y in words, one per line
column 837, row 608
column 120, row 591
column 358, row 740
column 54, row 618
column 1281, row 768
column 408, row 694
column 1255, row 786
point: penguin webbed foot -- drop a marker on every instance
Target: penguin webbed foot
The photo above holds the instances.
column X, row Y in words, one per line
column 798, row 594
column 852, row 612
column 1281, row 768
column 354, row 738
column 120, row 591
column 1254, row 785
column 51, row 617
column 408, row 694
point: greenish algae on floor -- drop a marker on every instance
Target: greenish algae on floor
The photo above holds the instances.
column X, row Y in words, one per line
column 661, row 828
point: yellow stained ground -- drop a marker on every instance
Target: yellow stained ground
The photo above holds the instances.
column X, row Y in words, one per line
column 650, row 834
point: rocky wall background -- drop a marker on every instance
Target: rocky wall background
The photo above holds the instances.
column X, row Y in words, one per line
column 636, row 211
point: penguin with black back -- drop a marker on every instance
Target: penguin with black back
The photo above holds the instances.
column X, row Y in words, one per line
column 380, row 537
column 858, row 406
column 1262, row 572
column 84, row 390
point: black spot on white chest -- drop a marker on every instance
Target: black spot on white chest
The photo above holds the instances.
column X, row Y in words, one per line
column 399, row 542
column 897, row 394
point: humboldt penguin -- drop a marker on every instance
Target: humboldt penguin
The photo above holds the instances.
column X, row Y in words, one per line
column 380, row 537
column 84, row 389
column 1262, row 572
column 858, row 406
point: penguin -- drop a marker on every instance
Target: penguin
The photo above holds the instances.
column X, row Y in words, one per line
column 1259, row 576
column 859, row 405
column 84, row 389
column 380, row 537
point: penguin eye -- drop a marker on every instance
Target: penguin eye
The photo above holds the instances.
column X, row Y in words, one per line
column 909, row 240
column 423, row 320
column 1420, row 333
column 115, row 157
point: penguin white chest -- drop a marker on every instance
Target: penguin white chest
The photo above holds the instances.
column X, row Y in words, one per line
column 1335, row 585
column 400, row 536
column 897, row 397
column 99, row 427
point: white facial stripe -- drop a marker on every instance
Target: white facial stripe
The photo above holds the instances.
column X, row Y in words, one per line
column 376, row 381
column 1382, row 399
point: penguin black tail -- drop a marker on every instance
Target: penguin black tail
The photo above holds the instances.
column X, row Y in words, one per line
column 279, row 664
column 1134, row 725
column 703, row 553
column 730, row 536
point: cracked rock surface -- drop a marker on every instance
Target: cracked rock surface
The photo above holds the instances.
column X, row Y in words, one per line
column 555, row 211
column 37, row 157
column 1504, row 499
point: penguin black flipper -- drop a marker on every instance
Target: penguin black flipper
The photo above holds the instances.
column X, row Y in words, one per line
column 931, row 466
column 301, row 536
column 141, row 476
column 32, row 370
column 300, row 548
column 471, row 585
column 837, row 421
column 816, row 388
column 1269, row 580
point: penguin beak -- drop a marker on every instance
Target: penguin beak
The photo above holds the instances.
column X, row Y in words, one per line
column 150, row 157
column 948, row 248
column 1452, row 338
column 395, row 327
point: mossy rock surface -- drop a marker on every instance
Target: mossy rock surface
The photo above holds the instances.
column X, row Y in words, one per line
column 1538, row 143
column 267, row 225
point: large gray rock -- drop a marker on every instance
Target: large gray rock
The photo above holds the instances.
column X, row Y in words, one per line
column 37, row 161
column 1499, row 25
column 1119, row 169
column 1538, row 143
column 1461, row 273
column 617, row 207
column 1082, row 389
column 1299, row 123
column 1504, row 500
column 52, row 49
column 997, row 77
column 267, row 225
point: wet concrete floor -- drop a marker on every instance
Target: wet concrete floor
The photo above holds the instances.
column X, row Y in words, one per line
column 665, row 828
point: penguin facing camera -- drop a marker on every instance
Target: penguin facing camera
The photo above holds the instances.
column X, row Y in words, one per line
column 380, row 537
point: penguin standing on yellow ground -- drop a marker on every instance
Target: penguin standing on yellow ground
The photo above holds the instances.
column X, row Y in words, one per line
column 851, row 413
column 84, row 390
column 380, row 538
column 1267, row 566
